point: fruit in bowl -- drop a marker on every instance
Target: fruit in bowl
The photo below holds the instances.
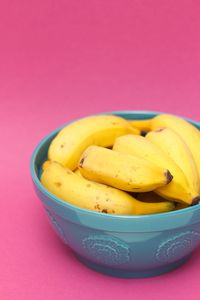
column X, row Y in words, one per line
column 104, row 175
column 160, row 161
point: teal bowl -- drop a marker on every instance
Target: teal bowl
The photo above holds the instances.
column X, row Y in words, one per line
column 116, row 245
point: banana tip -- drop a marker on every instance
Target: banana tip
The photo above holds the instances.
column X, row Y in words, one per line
column 196, row 200
column 168, row 176
column 81, row 162
column 143, row 133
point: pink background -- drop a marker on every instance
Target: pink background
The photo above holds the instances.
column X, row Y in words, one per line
column 60, row 60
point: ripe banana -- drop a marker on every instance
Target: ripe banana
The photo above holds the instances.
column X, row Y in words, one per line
column 178, row 189
column 81, row 192
column 150, row 197
column 125, row 172
column 187, row 131
column 174, row 146
column 142, row 125
column 72, row 140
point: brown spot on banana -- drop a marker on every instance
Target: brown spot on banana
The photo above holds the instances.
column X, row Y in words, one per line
column 68, row 172
column 97, row 206
column 168, row 176
column 159, row 129
column 58, row 184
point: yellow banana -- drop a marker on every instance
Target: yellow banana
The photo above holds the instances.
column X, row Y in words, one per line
column 150, row 197
column 46, row 165
column 142, row 125
column 178, row 189
column 175, row 147
column 122, row 171
column 73, row 139
column 81, row 192
column 187, row 131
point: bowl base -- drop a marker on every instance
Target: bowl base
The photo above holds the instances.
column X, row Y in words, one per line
column 133, row 274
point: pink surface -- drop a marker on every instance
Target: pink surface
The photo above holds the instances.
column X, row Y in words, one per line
column 60, row 60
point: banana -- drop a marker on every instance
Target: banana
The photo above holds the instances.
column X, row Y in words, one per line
column 149, row 197
column 178, row 189
column 72, row 140
column 142, row 125
column 187, row 131
column 46, row 164
column 76, row 190
column 125, row 172
column 174, row 146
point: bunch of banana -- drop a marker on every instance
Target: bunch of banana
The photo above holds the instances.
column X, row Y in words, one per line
column 178, row 189
column 137, row 175
column 174, row 147
column 180, row 141
column 122, row 171
column 184, row 129
column 72, row 140
column 74, row 189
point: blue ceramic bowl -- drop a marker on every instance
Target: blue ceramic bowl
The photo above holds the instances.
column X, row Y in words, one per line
column 123, row 246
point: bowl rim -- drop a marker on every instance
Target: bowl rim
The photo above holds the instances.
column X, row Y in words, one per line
column 142, row 114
